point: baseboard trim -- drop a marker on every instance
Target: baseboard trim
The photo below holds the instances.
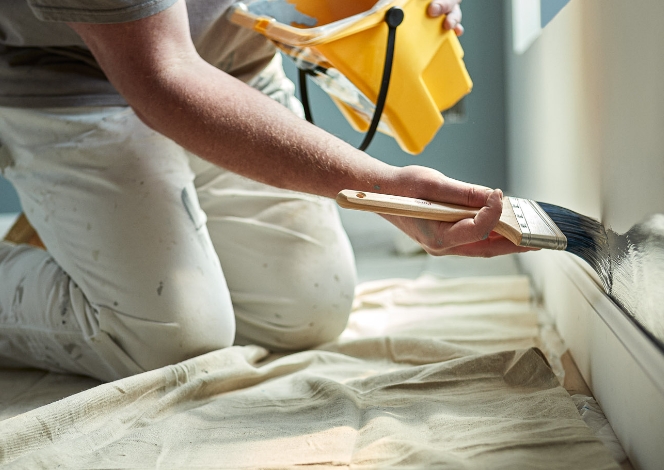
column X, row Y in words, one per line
column 622, row 367
column 646, row 354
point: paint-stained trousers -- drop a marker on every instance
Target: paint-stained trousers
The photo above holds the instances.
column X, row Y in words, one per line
column 154, row 255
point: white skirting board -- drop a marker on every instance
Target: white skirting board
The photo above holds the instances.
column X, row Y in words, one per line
column 621, row 365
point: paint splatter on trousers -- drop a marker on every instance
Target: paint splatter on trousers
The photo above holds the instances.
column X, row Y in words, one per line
column 154, row 255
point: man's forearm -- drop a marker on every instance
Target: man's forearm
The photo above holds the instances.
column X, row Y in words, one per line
column 234, row 126
column 154, row 65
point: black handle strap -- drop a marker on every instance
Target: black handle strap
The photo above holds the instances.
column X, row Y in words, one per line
column 304, row 94
column 394, row 17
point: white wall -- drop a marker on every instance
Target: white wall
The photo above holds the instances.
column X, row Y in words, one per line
column 586, row 131
column 586, row 112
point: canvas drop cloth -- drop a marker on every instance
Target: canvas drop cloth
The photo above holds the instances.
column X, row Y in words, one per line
column 429, row 374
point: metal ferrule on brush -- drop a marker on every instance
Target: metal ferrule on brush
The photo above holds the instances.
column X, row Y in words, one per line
column 537, row 228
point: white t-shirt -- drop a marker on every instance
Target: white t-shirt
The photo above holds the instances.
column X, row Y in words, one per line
column 43, row 63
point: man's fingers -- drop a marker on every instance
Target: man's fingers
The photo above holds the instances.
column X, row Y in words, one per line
column 476, row 229
column 453, row 18
column 441, row 7
column 488, row 216
column 464, row 194
column 492, row 246
column 451, row 9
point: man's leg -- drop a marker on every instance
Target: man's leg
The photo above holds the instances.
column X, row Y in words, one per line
column 131, row 281
column 288, row 262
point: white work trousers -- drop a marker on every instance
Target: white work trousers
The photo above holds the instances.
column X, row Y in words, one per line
column 155, row 255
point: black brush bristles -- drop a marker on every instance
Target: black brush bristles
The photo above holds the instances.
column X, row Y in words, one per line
column 586, row 238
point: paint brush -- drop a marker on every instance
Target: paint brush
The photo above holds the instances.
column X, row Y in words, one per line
column 524, row 222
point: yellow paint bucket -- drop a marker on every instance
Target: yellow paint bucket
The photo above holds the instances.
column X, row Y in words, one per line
column 344, row 44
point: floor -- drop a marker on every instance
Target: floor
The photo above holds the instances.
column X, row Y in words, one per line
column 382, row 252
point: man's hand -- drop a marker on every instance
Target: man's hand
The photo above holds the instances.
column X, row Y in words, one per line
column 451, row 9
column 468, row 237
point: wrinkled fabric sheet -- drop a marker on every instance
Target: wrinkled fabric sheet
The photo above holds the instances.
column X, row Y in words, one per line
column 418, row 380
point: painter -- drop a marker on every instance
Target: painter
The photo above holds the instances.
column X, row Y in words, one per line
column 185, row 206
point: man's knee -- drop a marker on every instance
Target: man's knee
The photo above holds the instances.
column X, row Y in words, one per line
column 314, row 312
column 198, row 323
column 322, row 314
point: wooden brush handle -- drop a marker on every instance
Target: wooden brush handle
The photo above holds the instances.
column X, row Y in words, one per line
column 405, row 206
column 422, row 209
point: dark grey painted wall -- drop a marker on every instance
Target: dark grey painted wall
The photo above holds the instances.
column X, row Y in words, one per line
column 8, row 198
column 549, row 9
column 473, row 151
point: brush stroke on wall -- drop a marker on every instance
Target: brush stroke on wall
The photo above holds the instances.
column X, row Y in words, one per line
column 637, row 274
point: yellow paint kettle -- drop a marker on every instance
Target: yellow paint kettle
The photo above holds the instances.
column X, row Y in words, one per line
column 343, row 45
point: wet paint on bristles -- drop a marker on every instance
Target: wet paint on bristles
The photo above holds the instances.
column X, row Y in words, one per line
column 586, row 238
